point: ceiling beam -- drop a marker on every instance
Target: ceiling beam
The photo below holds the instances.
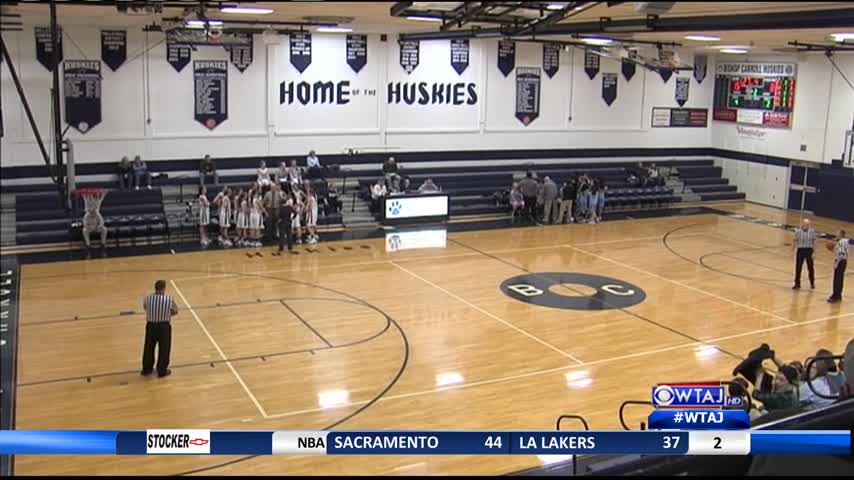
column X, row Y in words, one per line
column 831, row 18
column 465, row 16
column 399, row 8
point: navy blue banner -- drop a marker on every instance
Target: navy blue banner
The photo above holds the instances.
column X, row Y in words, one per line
column 551, row 58
column 82, row 91
column 591, row 64
column 699, row 420
column 241, row 56
column 665, row 73
column 527, row 94
column 609, row 88
column 357, row 52
column 506, row 56
column 114, row 48
column 460, row 55
column 629, row 67
column 410, row 55
column 177, row 54
column 682, row 86
column 211, row 92
column 701, row 63
column 300, row 44
column 44, row 46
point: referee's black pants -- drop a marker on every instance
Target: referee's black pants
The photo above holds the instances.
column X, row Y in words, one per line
column 285, row 235
column 531, row 208
column 804, row 254
column 838, row 278
column 159, row 334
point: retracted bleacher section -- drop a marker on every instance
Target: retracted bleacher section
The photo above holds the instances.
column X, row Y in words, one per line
column 131, row 216
column 707, row 182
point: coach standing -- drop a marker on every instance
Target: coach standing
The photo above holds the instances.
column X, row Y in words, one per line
column 840, row 262
column 159, row 309
column 805, row 247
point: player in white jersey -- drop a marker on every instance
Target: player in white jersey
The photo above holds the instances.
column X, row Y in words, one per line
column 311, row 215
column 299, row 206
column 204, row 215
column 223, row 201
column 255, row 220
column 243, row 221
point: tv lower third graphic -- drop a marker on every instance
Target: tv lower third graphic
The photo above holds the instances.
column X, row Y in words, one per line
column 698, row 420
column 205, row 442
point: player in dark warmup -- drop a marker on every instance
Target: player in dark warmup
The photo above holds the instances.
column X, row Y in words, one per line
column 286, row 215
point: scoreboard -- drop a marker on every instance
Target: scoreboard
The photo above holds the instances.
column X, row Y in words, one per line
column 755, row 93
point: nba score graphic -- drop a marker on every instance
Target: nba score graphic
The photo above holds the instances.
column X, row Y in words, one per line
column 697, row 406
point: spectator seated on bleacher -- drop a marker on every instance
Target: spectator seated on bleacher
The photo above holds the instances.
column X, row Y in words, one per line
column 378, row 192
column 264, row 175
column 312, row 163
column 654, row 177
column 125, row 174
column 207, row 169
column 428, row 187
column 140, row 173
column 390, row 167
column 779, row 392
column 331, row 202
column 819, row 377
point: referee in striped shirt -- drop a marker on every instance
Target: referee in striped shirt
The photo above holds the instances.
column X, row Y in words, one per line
column 159, row 309
column 805, row 245
column 840, row 262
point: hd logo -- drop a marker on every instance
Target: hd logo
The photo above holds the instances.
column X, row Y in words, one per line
column 555, row 290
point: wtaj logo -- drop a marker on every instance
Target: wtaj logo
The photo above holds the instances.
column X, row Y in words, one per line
column 178, row 442
column 693, row 395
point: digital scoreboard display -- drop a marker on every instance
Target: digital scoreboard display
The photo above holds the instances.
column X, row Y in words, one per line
column 755, row 93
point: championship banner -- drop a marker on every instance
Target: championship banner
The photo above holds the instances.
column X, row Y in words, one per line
column 82, row 79
column 609, row 88
column 701, row 63
column 44, row 46
column 114, row 48
column 527, row 94
column 300, row 44
column 357, row 52
column 506, row 56
column 551, row 58
column 591, row 64
column 628, row 67
column 665, row 74
column 211, row 92
column 177, row 54
column 241, row 56
column 460, row 55
column 410, row 51
column 682, row 86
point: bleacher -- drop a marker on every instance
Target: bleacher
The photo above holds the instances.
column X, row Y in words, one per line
column 707, row 182
column 130, row 215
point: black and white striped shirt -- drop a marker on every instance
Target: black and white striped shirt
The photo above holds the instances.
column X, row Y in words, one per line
column 805, row 238
column 159, row 308
column 840, row 252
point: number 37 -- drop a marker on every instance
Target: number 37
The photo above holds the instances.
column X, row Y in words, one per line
column 671, row 442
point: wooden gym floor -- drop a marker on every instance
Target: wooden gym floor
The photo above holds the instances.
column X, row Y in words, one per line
column 359, row 339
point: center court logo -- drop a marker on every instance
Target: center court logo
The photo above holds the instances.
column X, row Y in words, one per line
column 536, row 288
column 178, row 442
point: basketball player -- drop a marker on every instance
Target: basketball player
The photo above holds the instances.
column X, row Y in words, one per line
column 311, row 215
column 204, row 215
column 264, row 174
column 296, row 225
column 242, row 221
column 93, row 222
column 223, row 201
column 255, row 224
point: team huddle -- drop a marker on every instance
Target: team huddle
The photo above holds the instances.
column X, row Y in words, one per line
column 259, row 209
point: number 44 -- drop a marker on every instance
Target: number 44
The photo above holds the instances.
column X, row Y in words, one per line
column 493, row 442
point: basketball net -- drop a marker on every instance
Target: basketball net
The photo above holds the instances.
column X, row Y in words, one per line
column 92, row 198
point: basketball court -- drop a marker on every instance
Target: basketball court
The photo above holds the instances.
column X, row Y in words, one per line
column 357, row 338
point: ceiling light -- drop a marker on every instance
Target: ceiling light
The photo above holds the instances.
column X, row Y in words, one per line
column 333, row 29
column 733, row 50
column 580, row 7
column 247, row 10
column 703, row 38
column 841, row 37
column 556, row 6
column 202, row 23
column 597, row 41
column 424, row 19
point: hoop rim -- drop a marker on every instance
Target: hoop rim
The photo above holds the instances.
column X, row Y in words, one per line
column 90, row 191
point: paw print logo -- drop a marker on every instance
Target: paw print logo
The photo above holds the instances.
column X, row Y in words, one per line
column 395, row 207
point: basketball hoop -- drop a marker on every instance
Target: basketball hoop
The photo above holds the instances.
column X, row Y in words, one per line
column 92, row 197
